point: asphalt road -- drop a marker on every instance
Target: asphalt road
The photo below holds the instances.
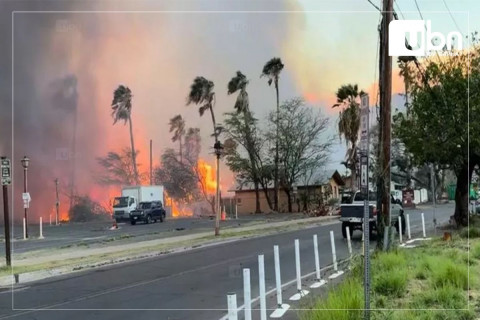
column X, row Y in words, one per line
column 188, row 285
column 93, row 232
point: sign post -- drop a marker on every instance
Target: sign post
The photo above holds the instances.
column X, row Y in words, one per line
column 6, row 180
column 364, row 150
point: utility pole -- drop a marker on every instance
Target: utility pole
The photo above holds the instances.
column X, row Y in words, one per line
column 385, row 73
column 151, row 175
column 6, row 180
column 57, row 202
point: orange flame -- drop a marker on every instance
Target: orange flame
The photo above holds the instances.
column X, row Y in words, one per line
column 207, row 175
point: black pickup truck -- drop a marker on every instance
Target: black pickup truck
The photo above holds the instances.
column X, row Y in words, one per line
column 148, row 212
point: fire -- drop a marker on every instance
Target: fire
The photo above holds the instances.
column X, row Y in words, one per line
column 178, row 209
column 207, row 175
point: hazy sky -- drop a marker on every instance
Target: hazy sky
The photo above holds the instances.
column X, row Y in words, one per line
column 323, row 44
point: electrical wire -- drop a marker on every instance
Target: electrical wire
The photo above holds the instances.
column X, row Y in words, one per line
column 451, row 16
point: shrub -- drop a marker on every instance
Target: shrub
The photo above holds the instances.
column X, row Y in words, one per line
column 389, row 261
column 445, row 297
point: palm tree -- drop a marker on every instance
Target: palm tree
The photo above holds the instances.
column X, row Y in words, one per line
column 202, row 94
column 177, row 126
column 349, row 124
column 122, row 109
column 272, row 70
column 239, row 83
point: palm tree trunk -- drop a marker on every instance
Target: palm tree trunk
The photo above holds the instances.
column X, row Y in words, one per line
column 134, row 154
column 74, row 156
column 217, row 198
column 276, row 151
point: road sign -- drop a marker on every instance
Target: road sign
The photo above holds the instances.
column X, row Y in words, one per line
column 26, row 199
column 364, row 123
column 6, row 171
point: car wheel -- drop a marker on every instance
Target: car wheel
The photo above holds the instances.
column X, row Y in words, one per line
column 149, row 219
column 162, row 217
column 117, row 220
column 133, row 223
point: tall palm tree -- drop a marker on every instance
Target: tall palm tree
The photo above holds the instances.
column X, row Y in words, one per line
column 177, row 126
column 121, row 110
column 349, row 124
column 202, row 94
column 272, row 70
column 239, row 83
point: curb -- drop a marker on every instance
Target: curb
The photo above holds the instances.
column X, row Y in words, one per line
column 10, row 280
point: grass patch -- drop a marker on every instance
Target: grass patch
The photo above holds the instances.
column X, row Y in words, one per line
column 349, row 295
column 452, row 274
column 471, row 232
column 392, row 283
column 426, row 279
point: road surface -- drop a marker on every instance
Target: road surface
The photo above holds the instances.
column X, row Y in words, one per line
column 188, row 285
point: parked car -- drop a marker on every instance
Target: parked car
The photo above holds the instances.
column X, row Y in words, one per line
column 351, row 214
column 148, row 212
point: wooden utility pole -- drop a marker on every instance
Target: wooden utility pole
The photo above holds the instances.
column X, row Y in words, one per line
column 7, row 226
column 57, row 202
column 385, row 73
column 151, row 171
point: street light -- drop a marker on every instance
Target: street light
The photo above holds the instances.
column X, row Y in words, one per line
column 218, row 152
column 25, row 161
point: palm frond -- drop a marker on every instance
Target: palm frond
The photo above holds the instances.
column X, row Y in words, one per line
column 121, row 104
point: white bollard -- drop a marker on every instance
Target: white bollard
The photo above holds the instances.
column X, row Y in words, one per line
column 400, row 229
column 24, row 230
column 261, row 287
column 236, row 211
column 300, row 293
column 278, row 278
column 41, row 229
column 232, row 306
column 247, row 294
column 281, row 307
column 50, row 219
column 297, row 265
column 349, row 242
column 318, row 280
column 408, row 227
column 423, row 226
column 334, row 256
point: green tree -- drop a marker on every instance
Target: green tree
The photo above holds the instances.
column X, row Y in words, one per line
column 244, row 137
column 441, row 129
column 349, row 123
column 122, row 110
column 177, row 126
column 272, row 70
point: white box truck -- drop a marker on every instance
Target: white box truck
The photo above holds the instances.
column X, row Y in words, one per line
column 131, row 197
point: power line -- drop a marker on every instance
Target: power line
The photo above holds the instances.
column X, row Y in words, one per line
column 451, row 16
column 418, row 8
column 400, row 10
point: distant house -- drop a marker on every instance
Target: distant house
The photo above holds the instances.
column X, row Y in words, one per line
column 311, row 195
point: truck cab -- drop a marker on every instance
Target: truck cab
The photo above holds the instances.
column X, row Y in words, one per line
column 351, row 214
column 122, row 207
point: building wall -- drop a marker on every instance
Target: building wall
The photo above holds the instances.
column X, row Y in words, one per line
column 246, row 199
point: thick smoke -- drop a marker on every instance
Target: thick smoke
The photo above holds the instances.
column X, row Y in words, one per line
column 66, row 66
